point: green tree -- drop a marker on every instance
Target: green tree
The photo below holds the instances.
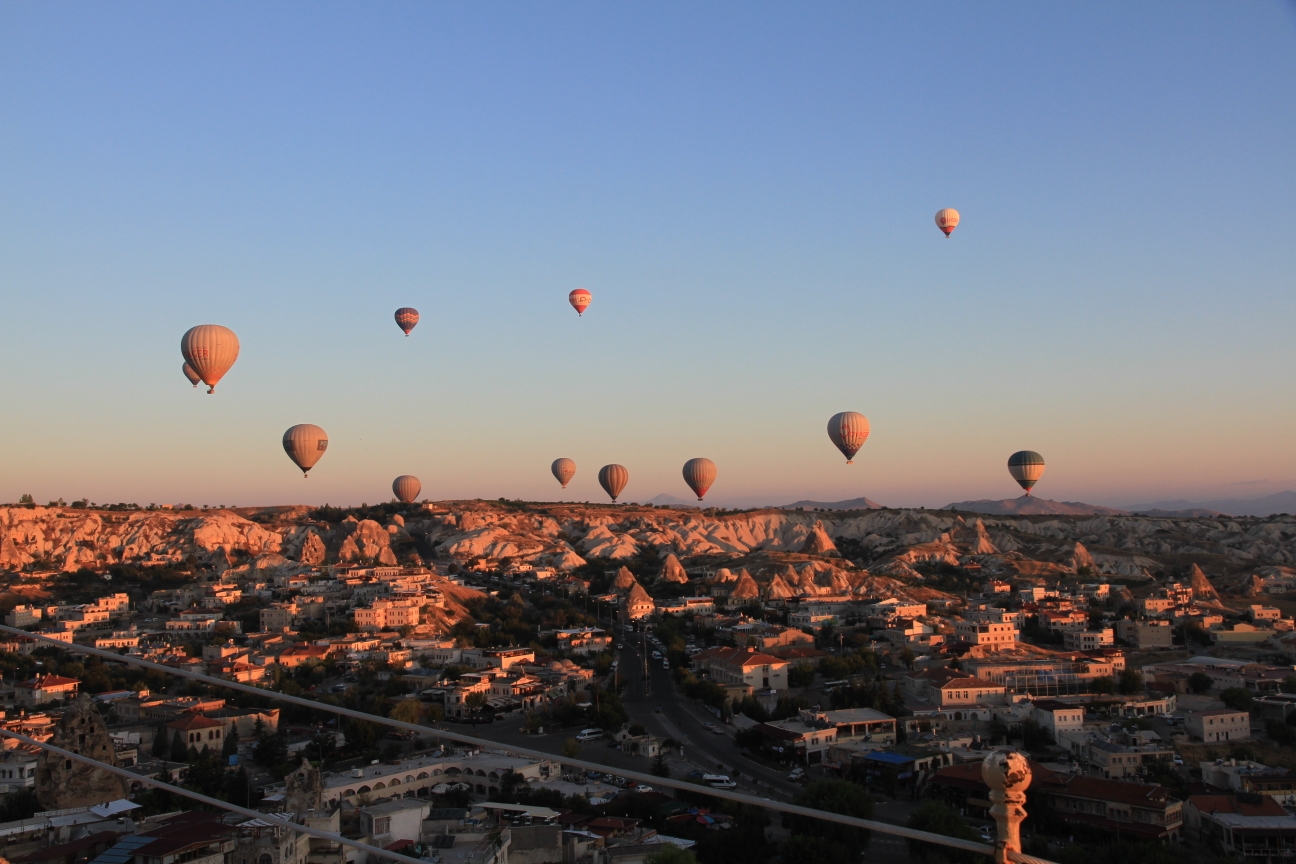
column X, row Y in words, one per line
column 407, row 711
column 1200, row 682
column 937, row 817
column 475, row 703
column 800, row 675
column 570, row 748
column 833, row 796
column 659, row 766
column 1238, row 698
column 671, row 854
column 230, row 747
column 161, row 746
column 1131, row 682
column 179, row 750
column 1104, row 685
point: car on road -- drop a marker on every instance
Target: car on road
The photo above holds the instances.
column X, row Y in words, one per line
column 797, row 775
column 620, row 647
column 665, row 664
column 696, row 775
column 717, row 730
column 589, row 735
column 723, row 784
column 656, row 655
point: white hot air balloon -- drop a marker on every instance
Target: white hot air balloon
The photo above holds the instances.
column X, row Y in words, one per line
column 947, row 220
column 305, row 443
column 848, row 430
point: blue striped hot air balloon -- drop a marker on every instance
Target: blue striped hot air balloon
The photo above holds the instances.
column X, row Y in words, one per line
column 1026, row 467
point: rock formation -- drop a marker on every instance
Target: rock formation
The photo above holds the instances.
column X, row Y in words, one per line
column 779, row 589
column 624, row 581
column 304, row 790
column 63, row 783
column 744, row 589
column 1080, row 557
column 673, row 571
column 1201, row 586
column 819, row 543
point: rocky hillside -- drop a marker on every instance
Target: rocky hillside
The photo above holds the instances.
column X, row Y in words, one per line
column 833, row 551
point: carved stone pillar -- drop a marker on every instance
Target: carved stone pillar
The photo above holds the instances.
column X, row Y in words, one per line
column 1008, row 775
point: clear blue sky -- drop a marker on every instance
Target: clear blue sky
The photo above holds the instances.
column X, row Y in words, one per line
column 748, row 190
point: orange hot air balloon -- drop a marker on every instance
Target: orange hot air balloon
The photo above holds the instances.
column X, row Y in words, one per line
column 406, row 318
column 406, row 488
column 848, row 430
column 210, row 350
column 947, row 220
column 580, row 300
column 190, row 374
column 613, row 478
column 305, row 443
column 564, row 469
column 699, row 474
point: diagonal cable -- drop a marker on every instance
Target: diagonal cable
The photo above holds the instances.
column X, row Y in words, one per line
column 650, row 779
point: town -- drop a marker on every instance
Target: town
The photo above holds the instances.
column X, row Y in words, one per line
column 1162, row 708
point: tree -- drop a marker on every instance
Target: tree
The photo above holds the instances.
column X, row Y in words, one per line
column 407, row 711
column 1288, row 684
column 834, row 796
column 907, row 657
column 1238, row 698
column 1104, row 685
column 1200, row 682
column 800, row 675
column 659, row 766
column 230, row 747
column 161, row 747
column 475, row 702
column 179, row 750
column 937, row 817
column 1131, row 682
column 671, row 854
column 570, row 748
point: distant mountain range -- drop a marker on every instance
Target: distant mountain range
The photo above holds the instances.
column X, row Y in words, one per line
column 664, row 500
column 848, row 504
column 1029, row 505
column 1279, row 502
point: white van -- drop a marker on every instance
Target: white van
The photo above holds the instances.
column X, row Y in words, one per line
column 715, row 778
column 589, row 735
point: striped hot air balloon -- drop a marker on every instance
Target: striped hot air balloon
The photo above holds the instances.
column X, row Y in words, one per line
column 190, row 374
column 1026, row 467
column 305, row 443
column 848, row 430
column 564, row 469
column 406, row 318
column 580, row 300
column 699, row 474
column 210, row 350
column 613, row 478
column 406, row 488
column 947, row 220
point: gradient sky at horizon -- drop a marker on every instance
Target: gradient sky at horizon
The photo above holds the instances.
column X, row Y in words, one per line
column 748, row 190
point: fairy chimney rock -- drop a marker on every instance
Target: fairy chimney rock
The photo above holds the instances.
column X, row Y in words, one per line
column 63, row 783
column 673, row 571
column 819, row 543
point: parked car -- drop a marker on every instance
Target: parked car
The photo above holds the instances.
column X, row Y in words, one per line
column 797, row 774
column 641, row 789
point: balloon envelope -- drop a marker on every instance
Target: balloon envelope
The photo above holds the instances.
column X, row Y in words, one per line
column 613, row 479
column 848, row 430
column 406, row 318
column 699, row 474
column 564, row 469
column 1026, row 467
column 580, row 300
column 305, row 443
column 190, row 374
column 406, row 488
column 947, row 220
column 210, row 350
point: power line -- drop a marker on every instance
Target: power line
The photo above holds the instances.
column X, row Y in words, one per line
column 649, row 779
column 213, row 802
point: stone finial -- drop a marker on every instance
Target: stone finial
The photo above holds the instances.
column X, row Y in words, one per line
column 1008, row 774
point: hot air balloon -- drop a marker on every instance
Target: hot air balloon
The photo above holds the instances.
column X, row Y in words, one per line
column 699, row 474
column 305, row 443
column 190, row 374
column 210, row 350
column 613, row 479
column 1026, row 467
column 580, row 300
column 947, row 220
column 406, row 318
column 406, row 488
column 848, row 430
column 564, row 469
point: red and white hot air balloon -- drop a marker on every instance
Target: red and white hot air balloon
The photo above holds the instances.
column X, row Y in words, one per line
column 564, row 470
column 848, row 430
column 699, row 474
column 580, row 300
column 947, row 220
column 406, row 318
column 613, row 478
